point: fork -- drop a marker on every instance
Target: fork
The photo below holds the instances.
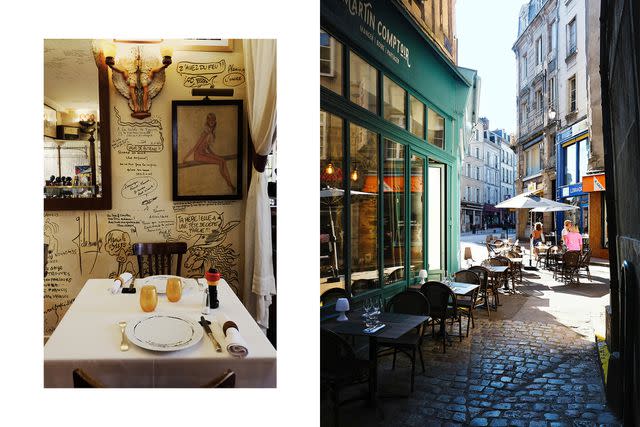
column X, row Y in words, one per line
column 123, row 343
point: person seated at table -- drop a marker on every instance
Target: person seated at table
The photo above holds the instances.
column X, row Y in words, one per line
column 567, row 225
column 538, row 237
column 573, row 239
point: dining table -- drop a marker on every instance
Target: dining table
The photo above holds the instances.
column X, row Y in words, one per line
column 396, row 325
column 89, row 337
column 498, row 272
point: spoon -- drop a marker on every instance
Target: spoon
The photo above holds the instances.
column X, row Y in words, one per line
column 123, row 344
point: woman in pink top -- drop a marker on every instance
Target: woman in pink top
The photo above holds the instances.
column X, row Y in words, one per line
column 573, row 239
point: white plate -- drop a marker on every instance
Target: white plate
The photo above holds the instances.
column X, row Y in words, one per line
column 164, row 332
column 160, row 282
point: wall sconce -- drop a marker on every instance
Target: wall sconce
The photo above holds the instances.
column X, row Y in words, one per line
column 138, row 79
column 329, row 169
column 354, row 174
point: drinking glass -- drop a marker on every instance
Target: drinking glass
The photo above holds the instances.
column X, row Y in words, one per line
column 148, row 298
column 368, row 306
column 174, row 289
column 375, row 311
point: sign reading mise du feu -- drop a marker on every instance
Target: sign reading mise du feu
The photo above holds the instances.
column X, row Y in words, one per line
column 377, row 32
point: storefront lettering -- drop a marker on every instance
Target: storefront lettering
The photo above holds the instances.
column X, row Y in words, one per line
column 365, row 12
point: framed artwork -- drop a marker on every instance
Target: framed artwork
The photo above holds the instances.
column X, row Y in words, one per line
column 50, row 121
column 205, row 45
column 207, row 150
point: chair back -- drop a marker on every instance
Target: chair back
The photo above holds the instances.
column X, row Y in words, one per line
column 335, row 352
column 499, row 261
column 513, row 254
column 330, row 296
column 409, row 302
column 490, row 250
column 83, row 380
column 467, row 253
column 157, row 258
column 571, row 259
column 498, row 243
column 226, row 380
column 483, row 275
column 440, row 296
column 466, row 276
column 361, row 285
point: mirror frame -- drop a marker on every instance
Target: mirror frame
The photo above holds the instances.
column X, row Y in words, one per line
column 104, row 202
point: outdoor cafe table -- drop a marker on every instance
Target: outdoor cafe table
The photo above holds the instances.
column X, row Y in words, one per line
column 88, row 337
column 397, row 324
column 497, row 271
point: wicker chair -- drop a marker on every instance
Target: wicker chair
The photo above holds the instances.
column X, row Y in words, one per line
column 330, row 296
column 407, row 302
column 466, row 305
column 571, row 266
column 585, row 260
column 502, row 279
column 442, row 306
column 486, row 291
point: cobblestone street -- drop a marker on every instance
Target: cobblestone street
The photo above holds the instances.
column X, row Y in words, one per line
column 534, row 363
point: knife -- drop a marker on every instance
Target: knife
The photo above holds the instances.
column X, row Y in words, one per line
column 205, row 324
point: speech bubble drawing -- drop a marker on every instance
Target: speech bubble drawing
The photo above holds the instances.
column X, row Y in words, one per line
column 233, row 79
column 198, row 223
column 138, row 187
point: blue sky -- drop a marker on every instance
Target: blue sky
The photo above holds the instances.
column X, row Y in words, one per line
column 486, row 31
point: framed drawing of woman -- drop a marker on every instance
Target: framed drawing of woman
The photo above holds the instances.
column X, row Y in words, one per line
column 207, row 150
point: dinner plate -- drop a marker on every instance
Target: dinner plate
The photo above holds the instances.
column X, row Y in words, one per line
column 160, row 282
column 164, row 332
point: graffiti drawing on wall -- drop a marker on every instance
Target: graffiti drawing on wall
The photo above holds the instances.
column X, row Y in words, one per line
column 117, row 243
column 209, row 248
column 234, row 76
column 137, row 137
column 88, row 241
column 200, row 74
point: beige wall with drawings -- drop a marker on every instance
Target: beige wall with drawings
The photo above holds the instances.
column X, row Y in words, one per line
column 97, row 244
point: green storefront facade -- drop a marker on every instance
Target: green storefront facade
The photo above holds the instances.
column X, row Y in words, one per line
column 392, row 124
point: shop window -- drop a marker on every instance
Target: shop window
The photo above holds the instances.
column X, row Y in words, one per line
column 416, row 121
column 571, row 165
column 363, row 145
column 394, row 102
column 394, row 212
column 435, row 129
column 583, row 152
column 332, row 226
column 330, row 63
column 417, row 216
column 532, row 160
column 363, row 80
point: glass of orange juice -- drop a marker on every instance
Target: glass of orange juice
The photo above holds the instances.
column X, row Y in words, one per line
column 148, row 298
column 174, row 289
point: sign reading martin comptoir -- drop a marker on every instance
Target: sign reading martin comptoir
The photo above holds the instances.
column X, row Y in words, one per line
column 377, row 32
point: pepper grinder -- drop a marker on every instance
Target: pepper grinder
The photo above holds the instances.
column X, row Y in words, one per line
column 213, row 277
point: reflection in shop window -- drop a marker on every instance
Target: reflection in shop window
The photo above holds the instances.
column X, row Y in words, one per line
column 330, row 63
column 436, row 216
column 363, row 80
column 364, row 210
column 416, row 120
column 394, row 102
column 332, row 225
column 417, row 216
column 394, row 212
column 435, row 128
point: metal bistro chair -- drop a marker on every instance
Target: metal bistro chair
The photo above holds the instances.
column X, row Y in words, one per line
column 407, row 302
column 330, row 296
column 486, row 291
column 466, row 305
column 550, row 257
column 339, row 368
column 158, row 257
column 501, row 280
column 442, row 306
column 571, row 266
column 515, row 267
column 585, row 260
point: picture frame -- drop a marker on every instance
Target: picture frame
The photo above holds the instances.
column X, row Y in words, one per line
column 207, row 149
column 205, row 45
column 50, row 121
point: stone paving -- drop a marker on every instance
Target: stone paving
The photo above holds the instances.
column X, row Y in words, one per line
column 507, row 373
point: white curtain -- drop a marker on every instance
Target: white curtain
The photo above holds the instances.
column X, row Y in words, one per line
column 259, row 282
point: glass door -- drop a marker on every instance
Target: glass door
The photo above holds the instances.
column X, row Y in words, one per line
column 417, row 232
column 436, row 216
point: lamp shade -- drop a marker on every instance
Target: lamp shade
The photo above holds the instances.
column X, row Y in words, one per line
column 423, row 274
column 342, row 305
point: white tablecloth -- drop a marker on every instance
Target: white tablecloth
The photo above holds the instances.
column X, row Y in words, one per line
column 88, row 337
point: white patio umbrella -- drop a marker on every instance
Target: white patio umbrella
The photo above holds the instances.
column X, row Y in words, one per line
column 534, row 204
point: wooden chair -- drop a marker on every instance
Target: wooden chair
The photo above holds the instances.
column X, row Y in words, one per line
column 442, row 306
column 466, row 305
column 83, row 380
column 330, row 296
column 407, row 302
column 339, row 368
column 158, row 257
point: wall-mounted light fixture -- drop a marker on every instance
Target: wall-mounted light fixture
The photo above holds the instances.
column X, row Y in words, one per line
column 137, row 76
column 329, row 169
column 354, row 173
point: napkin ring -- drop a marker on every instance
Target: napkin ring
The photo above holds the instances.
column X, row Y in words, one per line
column 228, row 324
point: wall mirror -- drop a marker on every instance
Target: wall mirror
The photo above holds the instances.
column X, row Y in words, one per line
column 77, row 159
